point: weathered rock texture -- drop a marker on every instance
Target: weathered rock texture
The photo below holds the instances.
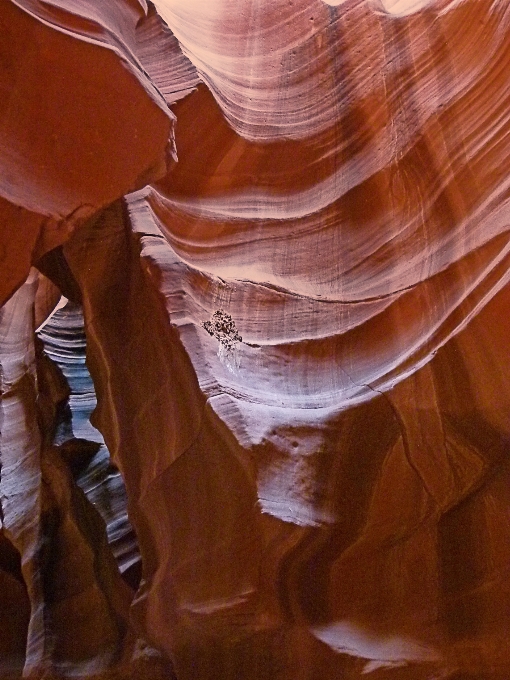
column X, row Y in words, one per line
column 298, row 336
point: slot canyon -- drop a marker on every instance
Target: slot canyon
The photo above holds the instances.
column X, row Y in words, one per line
column 254, row 339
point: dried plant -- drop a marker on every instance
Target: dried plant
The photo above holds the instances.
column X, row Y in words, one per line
column 222, row 327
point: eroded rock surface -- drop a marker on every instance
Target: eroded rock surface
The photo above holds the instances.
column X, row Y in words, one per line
column 297, row 333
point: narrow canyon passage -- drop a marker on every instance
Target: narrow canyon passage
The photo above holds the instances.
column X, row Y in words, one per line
column 69, row 557
column 81, row 445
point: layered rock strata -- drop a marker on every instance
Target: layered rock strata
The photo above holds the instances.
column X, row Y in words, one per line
column 80, row 444
column 297, row 332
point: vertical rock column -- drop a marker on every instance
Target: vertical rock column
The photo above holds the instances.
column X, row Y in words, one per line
column 20, row 449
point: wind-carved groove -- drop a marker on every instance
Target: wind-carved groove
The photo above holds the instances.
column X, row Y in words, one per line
column 80, row 445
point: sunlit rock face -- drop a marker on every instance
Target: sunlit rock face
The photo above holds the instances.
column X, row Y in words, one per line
column 297, row 331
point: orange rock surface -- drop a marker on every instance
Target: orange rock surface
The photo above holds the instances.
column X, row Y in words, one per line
column 287, row 225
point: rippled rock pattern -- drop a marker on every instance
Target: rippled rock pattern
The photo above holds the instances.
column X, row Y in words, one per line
column 287, row 225
column 80, row 444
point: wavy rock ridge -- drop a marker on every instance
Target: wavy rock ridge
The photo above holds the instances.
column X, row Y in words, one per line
column 297, row 334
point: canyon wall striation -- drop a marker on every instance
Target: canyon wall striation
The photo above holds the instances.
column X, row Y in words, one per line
column 281, row 231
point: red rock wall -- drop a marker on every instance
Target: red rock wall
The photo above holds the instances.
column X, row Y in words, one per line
column 297, row 331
